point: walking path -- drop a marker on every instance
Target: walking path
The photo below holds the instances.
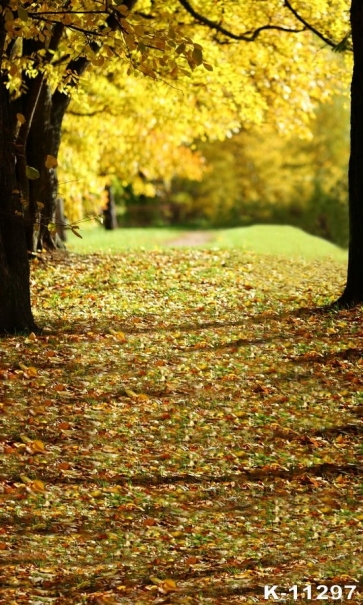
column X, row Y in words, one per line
column 192, row 238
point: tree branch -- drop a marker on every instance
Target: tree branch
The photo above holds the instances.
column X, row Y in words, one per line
column 308, row 25
column 248, row 36
column 89, row 114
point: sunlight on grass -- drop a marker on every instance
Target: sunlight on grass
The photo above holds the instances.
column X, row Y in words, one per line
column 97, row 239
column 281, row 240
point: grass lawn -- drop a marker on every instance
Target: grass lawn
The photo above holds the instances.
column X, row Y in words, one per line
column 278, row 239
column 96, row 239
column 262, row 239
column 183, row 432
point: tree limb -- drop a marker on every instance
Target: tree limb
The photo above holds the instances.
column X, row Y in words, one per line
column 308, row 25
column 248, row 36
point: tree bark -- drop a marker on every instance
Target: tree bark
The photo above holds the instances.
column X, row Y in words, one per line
column 109, row 213
column 353, row 293
column 44, row 139
column 15, row 307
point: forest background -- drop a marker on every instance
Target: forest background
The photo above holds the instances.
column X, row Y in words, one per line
column 240, row 142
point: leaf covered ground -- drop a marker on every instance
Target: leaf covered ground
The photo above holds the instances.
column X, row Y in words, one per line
column 186, row 430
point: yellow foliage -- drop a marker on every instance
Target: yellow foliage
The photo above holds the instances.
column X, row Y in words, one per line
column 158, row 78
column 262, row 167
column 121, row 123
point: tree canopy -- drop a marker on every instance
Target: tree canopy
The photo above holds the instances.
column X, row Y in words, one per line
column 110, row 129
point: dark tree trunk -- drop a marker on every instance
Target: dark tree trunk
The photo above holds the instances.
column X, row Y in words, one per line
column 15, row 308
column 44, row 139
column 353, row 293
column 109, row 213
column 60, row 220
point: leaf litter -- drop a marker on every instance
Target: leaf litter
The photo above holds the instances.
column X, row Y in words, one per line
column 187, row 429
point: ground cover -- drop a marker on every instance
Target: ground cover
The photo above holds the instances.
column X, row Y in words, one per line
column 186, row 430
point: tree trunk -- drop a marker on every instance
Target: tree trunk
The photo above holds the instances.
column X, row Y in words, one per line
column 353, row 293
column 15, row 308
column 109, row 213
column 44, row 139
column 60, row 220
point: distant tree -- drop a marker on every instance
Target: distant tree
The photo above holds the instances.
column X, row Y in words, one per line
column 353, row 292
column 270, row 177
column 109, row 212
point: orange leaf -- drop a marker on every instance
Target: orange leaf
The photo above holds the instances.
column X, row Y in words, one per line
column 59, row 387
column 51, row 162
column 64, row 466
column 64, row 426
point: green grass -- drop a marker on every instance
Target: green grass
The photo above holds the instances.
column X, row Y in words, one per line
column 97, row 239
column 281, row 240
column 278, row 239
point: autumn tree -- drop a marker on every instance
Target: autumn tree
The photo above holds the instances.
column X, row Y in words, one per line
column 269, row 177
column 110, row 130
column 328, row 22
column 47, row 47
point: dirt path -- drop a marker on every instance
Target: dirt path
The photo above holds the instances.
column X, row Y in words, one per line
column 192, row 238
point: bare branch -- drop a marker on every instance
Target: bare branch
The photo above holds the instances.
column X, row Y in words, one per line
column 308, row 25
column 248, row 36
column 89, row 114
column 87, row 33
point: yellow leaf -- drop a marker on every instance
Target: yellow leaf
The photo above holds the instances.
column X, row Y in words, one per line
column 38, row 446
column 122, row 8
column 32, row 371
column 241, row 454
column 21, row 119
column 22, row 366
column 51, row 161
column 167, row 586
column 155, row 580
column 326, row 510
column 130, row 393
column 38, row 486
column 96, row 493
column 25, row 439
column 197, row 56
column 119, row 335
column 25, row 479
